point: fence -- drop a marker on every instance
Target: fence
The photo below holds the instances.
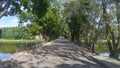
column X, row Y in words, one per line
column 12, row 47
column 26, row 46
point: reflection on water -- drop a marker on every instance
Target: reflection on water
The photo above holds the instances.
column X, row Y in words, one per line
column 105, row 55
column 4, row 55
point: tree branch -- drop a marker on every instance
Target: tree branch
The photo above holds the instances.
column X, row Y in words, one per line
column 5, row 10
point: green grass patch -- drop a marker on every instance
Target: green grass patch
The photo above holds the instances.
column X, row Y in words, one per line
column 17, row 41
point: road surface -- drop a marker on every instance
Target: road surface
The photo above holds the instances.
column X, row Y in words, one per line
column 59, row 53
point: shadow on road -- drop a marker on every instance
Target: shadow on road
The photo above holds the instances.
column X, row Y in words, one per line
column 65, row 49
column 59, row 48
column 10, row 64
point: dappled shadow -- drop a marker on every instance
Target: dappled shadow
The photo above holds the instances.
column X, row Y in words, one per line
column 65, row 49
column 9, row 64
column 59, row 48
column 73, row 66
column 60, row 54
column 18, row 64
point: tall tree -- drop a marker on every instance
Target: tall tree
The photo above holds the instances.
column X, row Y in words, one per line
column 93, row 28
column 52, row 22
column 113, row 46
column 77, row 14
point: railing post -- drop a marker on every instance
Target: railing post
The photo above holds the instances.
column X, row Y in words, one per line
column 25, row 46
column 17, row 48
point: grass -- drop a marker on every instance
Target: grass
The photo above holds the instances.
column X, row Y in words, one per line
column 9, row 46
column 17, row 41
column 101, row 47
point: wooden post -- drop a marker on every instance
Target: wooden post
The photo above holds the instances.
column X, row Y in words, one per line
column 30, row 45
column 17, row 48
column 25, row 46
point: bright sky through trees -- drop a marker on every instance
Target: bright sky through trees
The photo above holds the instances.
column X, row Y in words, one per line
column 9, row 21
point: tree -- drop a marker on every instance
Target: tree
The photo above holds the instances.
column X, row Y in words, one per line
column 52, row 22
column 13, row 7
column 40, row 7
column 9, row 7
column 14, row 33
column 112, row 39
column 34, row 29
column 93, row 27
column 77, row 14
column 49, row 25
column 87, row 22
column 0, row 33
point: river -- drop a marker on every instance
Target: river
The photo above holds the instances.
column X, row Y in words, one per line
column 5, row 55
column 105, row 55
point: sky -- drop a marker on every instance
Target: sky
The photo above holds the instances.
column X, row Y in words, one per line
column 9, row 21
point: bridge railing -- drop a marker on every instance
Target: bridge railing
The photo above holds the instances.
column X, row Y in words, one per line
column 26, row 46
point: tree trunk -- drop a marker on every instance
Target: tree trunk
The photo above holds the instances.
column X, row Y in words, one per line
column 72, row 36
column 93, row 48
column 5, row 9
column 113, row 47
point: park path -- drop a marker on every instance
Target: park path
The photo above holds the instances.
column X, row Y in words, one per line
column 59, row 53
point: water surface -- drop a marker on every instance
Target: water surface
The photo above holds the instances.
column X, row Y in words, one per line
column 105, row 55
column 5, row 55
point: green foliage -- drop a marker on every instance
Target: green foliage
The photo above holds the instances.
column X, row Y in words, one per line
column 100, row 46
column 34, row 29
column 52, row 23
column 14, row 33
column 40, row 7
column 37, row 7
column 65, row 30
column 21, row 33
column 48, row 24
column 101, row 49
column 76, row 14
column 24, row 16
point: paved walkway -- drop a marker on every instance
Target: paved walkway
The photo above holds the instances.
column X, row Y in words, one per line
column 59, row 53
